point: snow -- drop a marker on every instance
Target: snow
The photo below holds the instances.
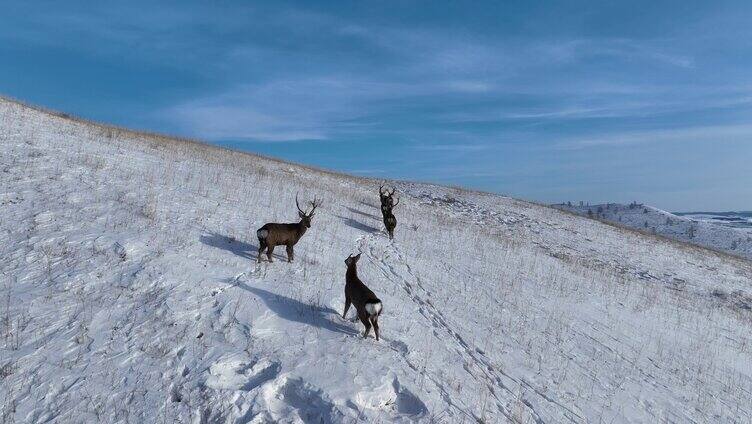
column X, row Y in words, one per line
column 130, row 293
column 735, row 240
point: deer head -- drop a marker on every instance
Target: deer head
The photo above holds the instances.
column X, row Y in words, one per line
column 306, row 216
column 386, row 196
column 352, row 260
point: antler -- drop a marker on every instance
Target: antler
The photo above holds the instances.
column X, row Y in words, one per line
column 298, row 205
column 397, row 202
column 386, row 193
column 314, row 204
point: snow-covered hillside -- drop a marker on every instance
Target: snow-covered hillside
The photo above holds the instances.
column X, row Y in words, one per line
column 129, row 292
column 729, row 239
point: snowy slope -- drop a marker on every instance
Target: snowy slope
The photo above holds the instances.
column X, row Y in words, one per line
column 129, row 293
column 724, row 238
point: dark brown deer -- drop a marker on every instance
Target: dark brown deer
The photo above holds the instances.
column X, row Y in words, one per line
column 366, row 303
column 387, row 205
column 390, row 222
column 272, row 234
column 387, row 199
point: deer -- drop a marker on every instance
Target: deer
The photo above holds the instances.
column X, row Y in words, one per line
column 390, row 223
column 387, row 199
column 387, row 205
column 273, row 234
column 367, row 305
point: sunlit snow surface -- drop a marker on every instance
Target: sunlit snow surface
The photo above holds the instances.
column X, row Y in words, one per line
column 130, row 293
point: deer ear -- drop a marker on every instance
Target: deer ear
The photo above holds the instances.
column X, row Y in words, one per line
column 356, row 257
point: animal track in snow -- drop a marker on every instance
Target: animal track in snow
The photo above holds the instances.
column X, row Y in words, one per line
column 483, row 371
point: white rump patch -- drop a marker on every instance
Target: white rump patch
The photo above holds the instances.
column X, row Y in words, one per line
column 373, row 308
column 262, row 234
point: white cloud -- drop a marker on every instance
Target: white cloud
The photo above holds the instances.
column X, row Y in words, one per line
column 458, row 147
column 718, row 133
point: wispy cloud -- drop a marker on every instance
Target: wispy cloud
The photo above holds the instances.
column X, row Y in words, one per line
column 275, row 111
column 459, row 147
column 291, row 109
column 619, row 48
column 710, row 134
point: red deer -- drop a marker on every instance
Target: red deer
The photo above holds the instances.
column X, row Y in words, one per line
column 387, row 205
column 387, row 200
column 272, row 234
column 390, row 222
column 366, row 303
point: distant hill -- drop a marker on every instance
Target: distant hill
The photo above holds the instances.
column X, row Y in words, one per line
column 731, row 219
column 729, row 232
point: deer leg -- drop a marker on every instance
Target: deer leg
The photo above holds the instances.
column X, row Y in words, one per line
column 290, row 253
column 270, row 252
column 375, row 322
column 347, row 306
column 364, row 320
column 262, row 245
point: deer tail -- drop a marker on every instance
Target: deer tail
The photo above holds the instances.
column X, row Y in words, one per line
column 262, row 233
column 374, row 307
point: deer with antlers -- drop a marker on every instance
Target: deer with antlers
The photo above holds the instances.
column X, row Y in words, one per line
column 273, row 234
column 358, row 294
column 387, row 205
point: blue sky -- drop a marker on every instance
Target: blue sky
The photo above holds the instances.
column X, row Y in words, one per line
column 548, row 101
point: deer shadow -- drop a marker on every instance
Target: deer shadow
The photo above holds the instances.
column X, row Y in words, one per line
column 358, row 225
column 240, row 248
column 297, row 311
column 362, row 202
column 353, row 210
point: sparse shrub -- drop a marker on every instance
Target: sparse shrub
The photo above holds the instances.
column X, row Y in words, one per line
column 6, row 370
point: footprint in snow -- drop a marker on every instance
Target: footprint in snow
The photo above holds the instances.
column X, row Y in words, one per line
column 398, row 346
